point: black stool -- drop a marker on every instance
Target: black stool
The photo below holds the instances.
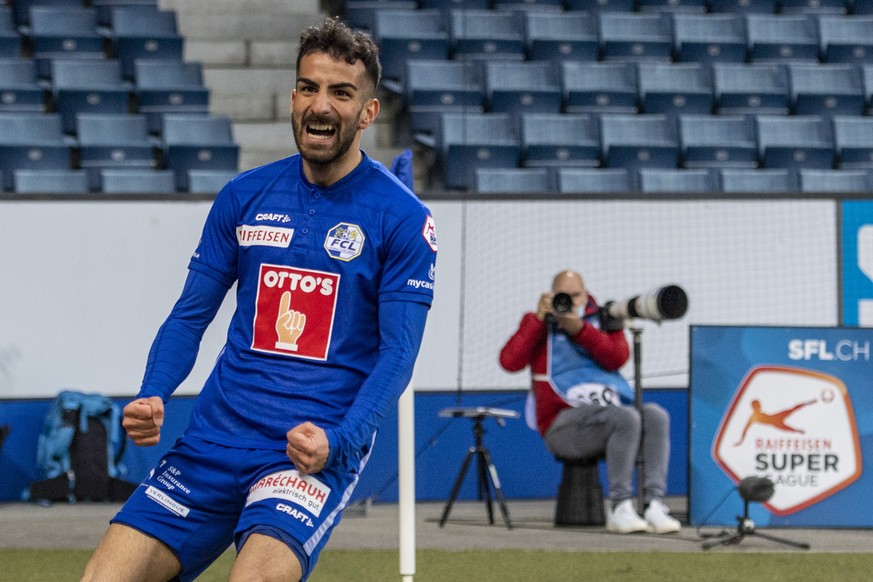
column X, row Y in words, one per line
column 580, row 496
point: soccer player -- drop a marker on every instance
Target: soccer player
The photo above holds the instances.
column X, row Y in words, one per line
column 334, row 262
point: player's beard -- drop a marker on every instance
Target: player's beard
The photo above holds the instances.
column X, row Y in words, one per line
column 343, row 140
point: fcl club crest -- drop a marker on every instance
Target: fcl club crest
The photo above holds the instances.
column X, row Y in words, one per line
column 344, row 241
column 795, row 427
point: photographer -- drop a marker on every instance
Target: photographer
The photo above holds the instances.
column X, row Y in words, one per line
column 584, row 407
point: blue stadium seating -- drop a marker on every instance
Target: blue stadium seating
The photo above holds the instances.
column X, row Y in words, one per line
column 142, row 32
column 447, row 6
column 750, row 88
column 826, row 89
column 362, row 14
column 597, row 6
column 637, row 141
column 559, row 140
column 795, row 141
column 104, row 8
column 862, row 6
column 10, row 40
column 434, row 87
column 853, row 139
column 22, row 8
column 409, row 34
column 675, row 89
column 636, row 36
column 671, row 181
column 208, row 181
column 113, row 141
column 592, row 180
column 466, row 142
column 708, row 38
column 31, row 141
column 835, row 181
column 539, row 6
column 197, row 142
column 522, row 87
column 694, row 6
column 561, row 36
column 168, row 86
column 718, row 141
column 813, row 6
column 782, row 38
column 50, row 182
column 133, row 181
column 487, row 34
column 62, row 32
column 739, row 180
column 867, row 80
column 514, row 181
column 600, row 87
column 19, row 87
column 743, row 6
column 846, row 39
column 87, row 86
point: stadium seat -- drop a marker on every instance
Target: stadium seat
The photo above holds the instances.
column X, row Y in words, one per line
column 559, row 140
column 22, row 8
column 10, row 39
column 596, row 181
column 862, row 6
column 62, row 32
column 750, row 88
column 466, row 142
column 747, row 181
column 104, row 8
column 487, row 34
column 835, row 181
column 447, row 6
column 87, row 86
column 782, row 38
column 168, row 86
column 636, row 36
column 827, row 90
column 208, row 181
column 409, row 34
column 846, row 39
column 597, row 6
column 718, row 141
column 637, row 141
column 853, row 140
column 708, row 38
column 600, row 87
column 673, row 181
column 814, row 6
column 362, row 14
column 674, row 6
column 142, row 32
column 19, row 87
column 433, row 87
column 538, row 6
column 113, row 141
column 561, row 36
column 522, row 87
column 197, row 142
column 867, row 81
column 50, row 182
column 513, row 181
column 31, row 141
column 675, row 89
column 743, row 6
column 795, row 141
column 129, row 181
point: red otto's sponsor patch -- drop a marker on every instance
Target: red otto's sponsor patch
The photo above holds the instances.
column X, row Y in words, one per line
column 265, row 236
column 305, row 491
column 294, row 311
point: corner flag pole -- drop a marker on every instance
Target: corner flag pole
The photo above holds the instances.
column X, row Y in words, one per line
column 406, row 481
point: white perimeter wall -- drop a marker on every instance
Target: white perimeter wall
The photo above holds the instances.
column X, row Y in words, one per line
column 85, row 285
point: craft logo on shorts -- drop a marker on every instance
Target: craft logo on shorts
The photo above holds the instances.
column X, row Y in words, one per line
column 294, row 311
column 795, row 427
column 344, row 241
column 429, row 233
column 305, row 491
column 265, row 236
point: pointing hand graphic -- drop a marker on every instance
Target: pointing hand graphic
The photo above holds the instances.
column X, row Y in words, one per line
column 289, row 324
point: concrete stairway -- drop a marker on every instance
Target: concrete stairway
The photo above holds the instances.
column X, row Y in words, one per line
column 248, row 50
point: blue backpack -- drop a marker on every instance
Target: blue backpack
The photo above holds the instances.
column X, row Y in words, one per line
column 79, row 451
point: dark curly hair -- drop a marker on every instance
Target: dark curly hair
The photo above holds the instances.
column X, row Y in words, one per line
column 336, row 39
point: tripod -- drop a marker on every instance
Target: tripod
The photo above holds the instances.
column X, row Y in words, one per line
column 746, row 527
column 486, row 472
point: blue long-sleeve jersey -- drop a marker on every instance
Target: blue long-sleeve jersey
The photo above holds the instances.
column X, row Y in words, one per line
column 333, row 287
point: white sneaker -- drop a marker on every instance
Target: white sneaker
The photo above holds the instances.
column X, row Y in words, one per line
column 658, row 518
column 624, row 519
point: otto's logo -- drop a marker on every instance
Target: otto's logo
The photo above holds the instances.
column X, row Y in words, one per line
column 294, row 311
column 305, row 491
column 797, row 428
column 429, row 233
column 344, row 241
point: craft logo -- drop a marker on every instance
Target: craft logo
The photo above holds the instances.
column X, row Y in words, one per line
column 429, row 233
column 294, row 311
column 344, row 241
column 305, row 491
column 795, row 427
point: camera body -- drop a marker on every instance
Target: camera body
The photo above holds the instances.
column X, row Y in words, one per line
column 562, row 303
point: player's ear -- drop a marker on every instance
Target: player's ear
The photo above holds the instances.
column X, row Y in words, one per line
column 369, row 113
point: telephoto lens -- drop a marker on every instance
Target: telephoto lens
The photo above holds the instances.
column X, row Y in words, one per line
column 562, row 303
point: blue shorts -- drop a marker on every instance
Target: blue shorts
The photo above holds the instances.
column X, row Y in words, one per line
column 202, row 497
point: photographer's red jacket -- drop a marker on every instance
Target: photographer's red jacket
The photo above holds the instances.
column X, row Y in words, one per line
column 527, row 347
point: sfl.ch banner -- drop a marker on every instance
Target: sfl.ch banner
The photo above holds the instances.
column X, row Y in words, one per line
column 789, row 404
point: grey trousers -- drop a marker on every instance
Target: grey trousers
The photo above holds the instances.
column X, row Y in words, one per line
column 592, row 431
